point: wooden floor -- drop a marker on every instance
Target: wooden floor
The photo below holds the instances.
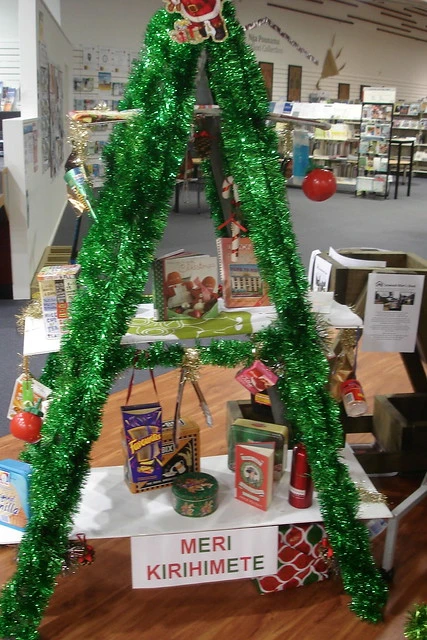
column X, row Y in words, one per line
column 98, row 603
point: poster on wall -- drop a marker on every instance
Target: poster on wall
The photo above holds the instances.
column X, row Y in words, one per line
column 31, row 146
column 56, row 120
column 106, row 59
column 43, row 88
column 90, row 58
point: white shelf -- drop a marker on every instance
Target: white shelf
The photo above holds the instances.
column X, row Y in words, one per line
column 347, row 181
column 109, row 510
column 36, row 343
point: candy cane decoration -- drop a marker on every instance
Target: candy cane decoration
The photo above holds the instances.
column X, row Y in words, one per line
column 229, row 186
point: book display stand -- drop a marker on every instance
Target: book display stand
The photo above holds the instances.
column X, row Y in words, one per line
column 143, row 159
column 374, row 149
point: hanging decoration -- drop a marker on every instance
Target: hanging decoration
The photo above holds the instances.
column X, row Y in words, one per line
column 27, row 424
column 79, row 553
column 202, row 138
column 32, row 310
column 262, row 21
column 319, row 185
column 330, row 65
column 143, row 159
column 202, row 20
column 229, row 186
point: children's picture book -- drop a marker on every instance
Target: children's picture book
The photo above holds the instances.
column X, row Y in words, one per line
column 241, row 280
column 254, row 474
column 185, row 286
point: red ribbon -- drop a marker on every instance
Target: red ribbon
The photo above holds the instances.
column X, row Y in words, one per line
column 231, row 219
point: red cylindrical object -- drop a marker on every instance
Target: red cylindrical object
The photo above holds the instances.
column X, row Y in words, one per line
column 301, row 483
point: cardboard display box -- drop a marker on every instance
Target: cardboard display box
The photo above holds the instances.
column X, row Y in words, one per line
column 350, row 284
column 400, row 422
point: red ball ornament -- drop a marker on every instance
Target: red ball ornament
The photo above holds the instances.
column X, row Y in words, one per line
column 26, row 425
column 319, row 185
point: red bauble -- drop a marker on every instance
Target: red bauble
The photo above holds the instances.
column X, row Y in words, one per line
column 26, row 425
column 319, row 185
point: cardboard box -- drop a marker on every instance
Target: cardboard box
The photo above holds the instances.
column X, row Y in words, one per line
column 400, row 422
column 350, row 284
column 57, row 286
column 175, row 460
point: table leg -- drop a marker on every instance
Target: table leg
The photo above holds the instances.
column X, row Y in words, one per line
column 396, row 186
column 176, row 205
column 411, row 158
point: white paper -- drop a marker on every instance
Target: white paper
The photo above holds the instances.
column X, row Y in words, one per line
column 206, row 556
column 392, row 312
column 321, row 301
column 321, row 274
column 354, row 262
column 310, row 271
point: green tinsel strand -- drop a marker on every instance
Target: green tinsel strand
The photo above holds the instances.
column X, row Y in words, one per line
column 143, row 159
column 251, row 149
column 416, row 626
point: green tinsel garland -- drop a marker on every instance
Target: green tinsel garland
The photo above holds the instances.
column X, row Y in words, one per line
column 416, row 626
column 143, row 158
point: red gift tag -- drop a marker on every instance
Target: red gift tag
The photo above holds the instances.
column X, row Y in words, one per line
column 256, row 378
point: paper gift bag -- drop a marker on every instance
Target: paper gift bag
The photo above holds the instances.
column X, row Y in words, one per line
column 300, row 558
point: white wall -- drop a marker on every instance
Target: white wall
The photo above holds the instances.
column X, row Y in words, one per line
column 9, row 19
column 371, row 57
column 9, row 46
column 35, row 199
column 54, row 7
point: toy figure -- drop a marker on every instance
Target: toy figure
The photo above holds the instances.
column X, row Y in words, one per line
column 203, row 15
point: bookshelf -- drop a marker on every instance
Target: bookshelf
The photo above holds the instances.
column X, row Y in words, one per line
column 410, row 122
column 373, row 164
column 334, row 146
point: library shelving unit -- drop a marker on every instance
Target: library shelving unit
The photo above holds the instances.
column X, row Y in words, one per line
column 373, row 164
column 334, row 146
column 414, row 128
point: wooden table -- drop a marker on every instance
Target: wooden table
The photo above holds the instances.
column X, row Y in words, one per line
column 98, row 603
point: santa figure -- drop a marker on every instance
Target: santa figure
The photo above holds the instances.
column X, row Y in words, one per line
column 203, row 15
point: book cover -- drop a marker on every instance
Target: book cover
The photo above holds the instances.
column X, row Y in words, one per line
column 254, row 474
column 241, row 280
column 185, row 286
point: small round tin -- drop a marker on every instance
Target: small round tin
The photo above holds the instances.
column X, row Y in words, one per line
column 195, row 494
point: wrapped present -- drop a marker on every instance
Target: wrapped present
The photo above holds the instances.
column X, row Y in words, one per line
column 301, row 558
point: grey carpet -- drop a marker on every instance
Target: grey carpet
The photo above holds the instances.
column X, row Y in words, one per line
column 342, row 221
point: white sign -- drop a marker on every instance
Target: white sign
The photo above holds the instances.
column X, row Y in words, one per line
column 379, row 95
column 392, row 312
column 203, row 556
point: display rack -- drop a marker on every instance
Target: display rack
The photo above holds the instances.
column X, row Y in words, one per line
column 373, row 163
column 109, row 510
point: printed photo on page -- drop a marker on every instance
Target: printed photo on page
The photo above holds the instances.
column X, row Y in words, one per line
column 321, row 274
column 392, row 312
